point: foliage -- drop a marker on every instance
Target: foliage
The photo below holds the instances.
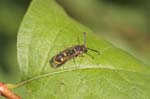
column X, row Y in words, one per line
column 45, row 31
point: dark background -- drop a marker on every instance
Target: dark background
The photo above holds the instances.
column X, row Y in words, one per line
column 11, row 15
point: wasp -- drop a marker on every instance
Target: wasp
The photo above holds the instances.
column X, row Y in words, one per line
column 70, row 53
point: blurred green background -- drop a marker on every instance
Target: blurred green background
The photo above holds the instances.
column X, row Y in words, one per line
column 11, row 14
column 125, row 23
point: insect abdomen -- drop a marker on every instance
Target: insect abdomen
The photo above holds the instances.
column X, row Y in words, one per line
column 57, row 60
column 66, row 55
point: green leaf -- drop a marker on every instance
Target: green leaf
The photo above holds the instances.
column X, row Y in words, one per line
column 45, row 31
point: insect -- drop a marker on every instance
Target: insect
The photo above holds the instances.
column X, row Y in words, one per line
column 70, row 53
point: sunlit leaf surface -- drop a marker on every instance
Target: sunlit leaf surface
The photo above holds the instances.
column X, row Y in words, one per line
column 45, row 31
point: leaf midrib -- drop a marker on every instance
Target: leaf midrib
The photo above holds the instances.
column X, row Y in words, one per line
column 74, row 69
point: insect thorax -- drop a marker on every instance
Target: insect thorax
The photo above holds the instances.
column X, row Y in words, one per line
column 80, row 48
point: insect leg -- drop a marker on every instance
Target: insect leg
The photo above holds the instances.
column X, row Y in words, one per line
column 74, row 62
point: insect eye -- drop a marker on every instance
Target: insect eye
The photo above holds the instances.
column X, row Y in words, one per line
column 78, row 48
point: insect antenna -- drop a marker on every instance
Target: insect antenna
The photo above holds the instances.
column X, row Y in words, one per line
column 94, row 51
column 86, row 46
column 78, row 40
column 84, row 39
